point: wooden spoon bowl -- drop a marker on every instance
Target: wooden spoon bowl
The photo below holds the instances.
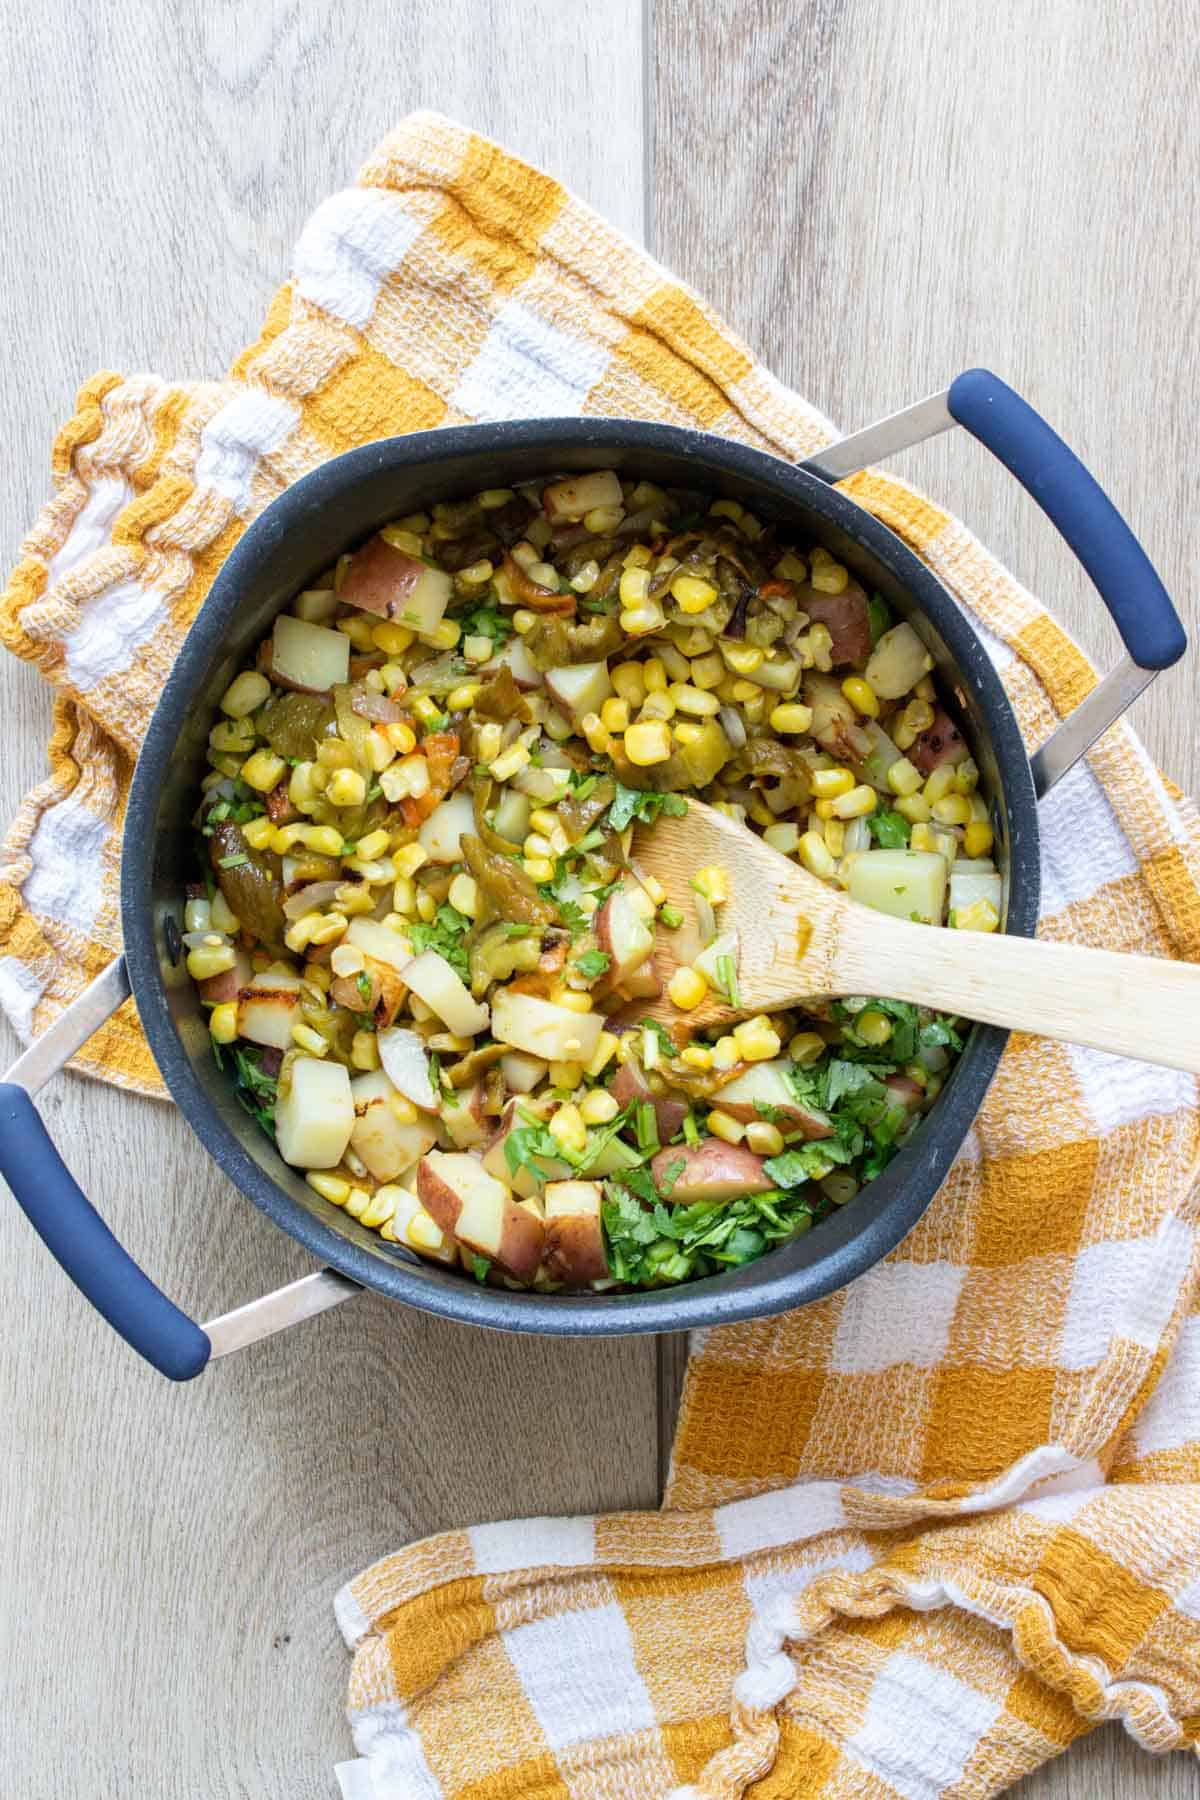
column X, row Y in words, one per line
column 801, row 941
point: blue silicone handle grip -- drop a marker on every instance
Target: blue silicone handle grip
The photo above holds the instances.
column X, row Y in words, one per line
column 77, row 1237
column 1074, row 502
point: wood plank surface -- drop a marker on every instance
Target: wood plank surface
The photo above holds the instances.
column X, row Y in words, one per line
column 171, row 1555
column 878, row 195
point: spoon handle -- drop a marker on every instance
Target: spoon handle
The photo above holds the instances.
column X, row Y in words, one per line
column 1144, row 1007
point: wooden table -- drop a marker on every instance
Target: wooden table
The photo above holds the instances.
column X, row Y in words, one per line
column 877, row 195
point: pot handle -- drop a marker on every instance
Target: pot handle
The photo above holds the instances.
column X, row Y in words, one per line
column 79, row 1240
column 1080, row 510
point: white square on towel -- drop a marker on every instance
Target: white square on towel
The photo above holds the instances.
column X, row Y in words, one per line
column 1125, row 1289
column 896, row 1313
column 579, row 1675
column 528, row 369
column 921, row 1728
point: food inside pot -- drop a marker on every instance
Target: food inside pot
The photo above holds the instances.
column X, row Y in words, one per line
column 421, row 929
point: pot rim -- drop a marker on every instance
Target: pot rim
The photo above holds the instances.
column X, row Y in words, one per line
column 848, row 1242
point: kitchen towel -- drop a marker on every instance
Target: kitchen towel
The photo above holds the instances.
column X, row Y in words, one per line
column 917, row 1537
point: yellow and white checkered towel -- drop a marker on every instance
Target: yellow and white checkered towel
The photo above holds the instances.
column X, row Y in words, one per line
column 917, row 1537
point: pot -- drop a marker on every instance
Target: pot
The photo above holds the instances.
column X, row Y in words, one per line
column 335, row 507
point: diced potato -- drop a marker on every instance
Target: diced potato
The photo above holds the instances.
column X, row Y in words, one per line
column 897, row 662
column 216, row 989
column 521, row 1072
column 380, row 944
column 391, row 584
column 517, row 660
column 525, row 1180
column 385, row 1143
column 711, row 962
column 314, row 1118
column 714, row 1170
column 568, row 500
column 624, row 935
column 463, row 1198
column 268, row 1007
column 764, row 1092
column 462, row 1118
column 309, row 658
column 908, row 884
column 580, row 688
column 575, row 1250
column 412, row 1226
column 543, row 1029
column 629, row 1083
column 432, row 980
column 441, row 834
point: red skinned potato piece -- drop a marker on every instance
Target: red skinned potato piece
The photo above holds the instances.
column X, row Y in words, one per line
column 575, row 1251
column 624, row 936
column 763, row 1092
column 380, row 579
column 217, row 989
column 904, row 1091
column 629, row 1083
column 714, row 1170
column 942, row 743
column 846, row 617
column 460, row 1196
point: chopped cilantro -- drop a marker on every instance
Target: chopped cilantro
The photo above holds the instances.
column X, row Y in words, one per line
column 363, row 984
column 646, row 1123
column 670, row 1176
column 481, row 1267
column 374, row 791
column 632, row 803
column 255, row 1089
column 592, row 964
column 666, row 1042
column 438, row 722
column 891, row 829
column 444, row 933
column 878, row 617
column 649, row 1243
column 487, row 621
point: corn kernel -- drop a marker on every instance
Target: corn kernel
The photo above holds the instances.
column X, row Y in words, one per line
column 535, row 845
column 477, row 650
column 696, row 701
column 783, row 838
column 223, row 1022
column 687, row 732
column 463, row 697
column 791, row 717
column 697, row 1056
column 410, row 859
column 713, row 882
column 424, row 1234
column 953, row 809
column 565, row 1076
column 830, row 578
column 978, row 839
column 210, row 959
column 523, row 620
column 757, row 1040
column 598, row 1108
column 658, row 705
column 686, row 988
column 861, row 696
column 820, row 647
column 606, row 1049
column 346, row 788
column 721, row 1125
column 401, row 737
column 444, row 635
column 323, row 839
column 806, row 1047
column 568, row 1128
column 347, row 959
column 358, row 630
column 707, row 672
column 827, row 784
column 602, row 519
column 463, row 894
column 725, row 1053
column 596, row 736
column 966, row 776
column 258, row 833
column 309, row 1040
column 630, row 683
column 873, row 1027
column 915, row 808
column 764, row 1138
column 491, row 498
column 856, row 804
column 510, row 761
column 378, row 1210
column 692, row 594
column 614, row 714
column 981, row 915
column 232, row 737
column 330, row 1187
column 939, row 783
column 815, row 856
column 585, row 579
column 743, row 659
column 426, row 912
column 725, row 509
column 197, row 915
column 654, row 675
column 245, row 694
column 647, row 744
column 374, row 844
column 392, row 639
column 903, row 778
column 640, row 621
column 823, row 809
column 357, row 1202
column 635, row 584
column 538, row 868
column 263, row 771
column 834, row 833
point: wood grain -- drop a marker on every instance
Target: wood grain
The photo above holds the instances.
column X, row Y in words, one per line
column 878, row 195
column 172, row 1554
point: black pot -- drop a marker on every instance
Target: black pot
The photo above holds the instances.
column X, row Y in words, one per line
column 301, row 534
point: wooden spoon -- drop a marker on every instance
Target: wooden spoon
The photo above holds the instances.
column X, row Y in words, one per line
column 799, row 940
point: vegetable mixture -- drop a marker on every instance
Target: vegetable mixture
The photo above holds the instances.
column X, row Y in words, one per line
column 422, row 932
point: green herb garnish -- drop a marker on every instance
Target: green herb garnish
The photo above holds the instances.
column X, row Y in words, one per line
column 481, row 1267
column 671, row 916
column 237, row 861
column 632, row 804
column 444, row 933
column 592, row 964
column 891, row 829
column 727, row 979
